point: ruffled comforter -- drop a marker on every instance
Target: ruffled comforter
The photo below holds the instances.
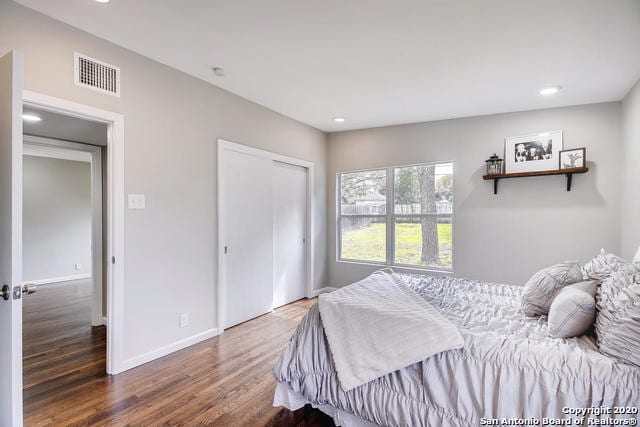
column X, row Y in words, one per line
column 508, row 367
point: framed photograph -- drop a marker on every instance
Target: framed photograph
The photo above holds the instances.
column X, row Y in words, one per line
column 573, row 158
column 532, row 153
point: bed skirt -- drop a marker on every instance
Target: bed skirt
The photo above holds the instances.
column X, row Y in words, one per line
column 292, row 400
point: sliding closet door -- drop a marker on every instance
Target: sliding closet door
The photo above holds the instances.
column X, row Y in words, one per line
column 247, row 206
column 290, row 224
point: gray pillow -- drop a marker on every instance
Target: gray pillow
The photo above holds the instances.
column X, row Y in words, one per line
column 618, row 320
column 573, row 311
column 543, row 287
column 602, row 265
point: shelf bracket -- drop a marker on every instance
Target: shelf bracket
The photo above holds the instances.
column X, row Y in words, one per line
column 495, row 186
column 569, row 178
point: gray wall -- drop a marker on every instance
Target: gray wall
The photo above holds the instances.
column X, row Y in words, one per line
column 57, row 218
column 631, row 182
column 172, row 122
column 532, row 222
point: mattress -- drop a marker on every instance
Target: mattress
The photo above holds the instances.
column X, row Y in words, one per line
column 508, row 368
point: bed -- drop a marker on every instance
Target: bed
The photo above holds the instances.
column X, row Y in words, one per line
column 508, row 369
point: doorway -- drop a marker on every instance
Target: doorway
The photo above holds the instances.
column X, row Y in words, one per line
column 63, row 206
column 64, row 322
column 112, row 160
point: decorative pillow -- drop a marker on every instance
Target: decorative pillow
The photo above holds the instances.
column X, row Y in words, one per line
column 603, row 265
column 611, row 286
column 573, row 311
column 543, row 287
column 618, row 320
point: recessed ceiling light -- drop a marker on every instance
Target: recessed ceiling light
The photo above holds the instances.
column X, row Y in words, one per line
column 218, row 71
column 31, row 118
column 338, row 119
column 550, row 90
column 103, row 1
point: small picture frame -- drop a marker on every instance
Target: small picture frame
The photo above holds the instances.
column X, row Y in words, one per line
column 573, row 158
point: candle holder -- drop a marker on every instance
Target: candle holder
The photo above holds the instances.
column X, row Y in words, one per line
column 494, row 165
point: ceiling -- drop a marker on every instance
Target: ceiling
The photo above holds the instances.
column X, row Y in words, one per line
column 381, row 62
column 63, row 127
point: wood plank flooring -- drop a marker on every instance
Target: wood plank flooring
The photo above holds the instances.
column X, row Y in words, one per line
column 226, row 380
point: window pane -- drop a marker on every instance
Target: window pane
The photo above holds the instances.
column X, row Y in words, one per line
column 363, row 193
column 364, row 239
column 424, row 241
column 425, row 189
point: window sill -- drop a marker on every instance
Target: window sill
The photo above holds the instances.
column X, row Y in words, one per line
column 404, row 268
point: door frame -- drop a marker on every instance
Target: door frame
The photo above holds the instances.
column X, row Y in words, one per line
column 50, row 148
column 225, row 145
column 115, row 212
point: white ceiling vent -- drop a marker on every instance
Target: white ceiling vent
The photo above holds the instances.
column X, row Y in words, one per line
column 97, row 75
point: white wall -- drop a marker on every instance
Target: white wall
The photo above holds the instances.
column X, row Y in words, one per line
column 631, row 182
column 532, row 222
column 172, row 122
column 56, row 218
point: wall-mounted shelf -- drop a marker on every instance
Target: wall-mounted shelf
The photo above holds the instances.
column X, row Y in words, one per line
column 568, row 172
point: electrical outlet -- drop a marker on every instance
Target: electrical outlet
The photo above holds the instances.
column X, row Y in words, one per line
column 78, row 266
column 184, row 320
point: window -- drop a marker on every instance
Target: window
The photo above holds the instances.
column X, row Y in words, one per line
column 363, row 216
column 397, row 216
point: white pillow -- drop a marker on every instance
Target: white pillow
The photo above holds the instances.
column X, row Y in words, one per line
column 618, row 320
column 573, row 311
column 603, row 265
column 543, row 287
column 636, row 258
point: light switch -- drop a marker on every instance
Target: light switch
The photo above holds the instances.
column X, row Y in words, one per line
column 137, row 201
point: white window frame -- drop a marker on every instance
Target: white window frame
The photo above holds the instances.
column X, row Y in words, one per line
column 390, row 220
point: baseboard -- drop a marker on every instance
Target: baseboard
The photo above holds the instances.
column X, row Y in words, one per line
column 324, row 290
column 168, row 349
column 58, row 279
column 102, row 321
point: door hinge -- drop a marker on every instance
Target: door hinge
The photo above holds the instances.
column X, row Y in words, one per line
column 226, row 249
column 113, row 260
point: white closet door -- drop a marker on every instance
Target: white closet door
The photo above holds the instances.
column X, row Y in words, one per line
column 290, row 219
column 248, row 218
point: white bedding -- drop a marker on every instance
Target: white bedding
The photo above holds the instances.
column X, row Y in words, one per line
column 508, row 367
column 379, row 325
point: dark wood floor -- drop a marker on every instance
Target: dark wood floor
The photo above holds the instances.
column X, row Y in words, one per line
column 226, row 380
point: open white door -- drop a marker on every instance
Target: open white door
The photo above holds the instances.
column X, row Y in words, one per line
column 11, row 74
